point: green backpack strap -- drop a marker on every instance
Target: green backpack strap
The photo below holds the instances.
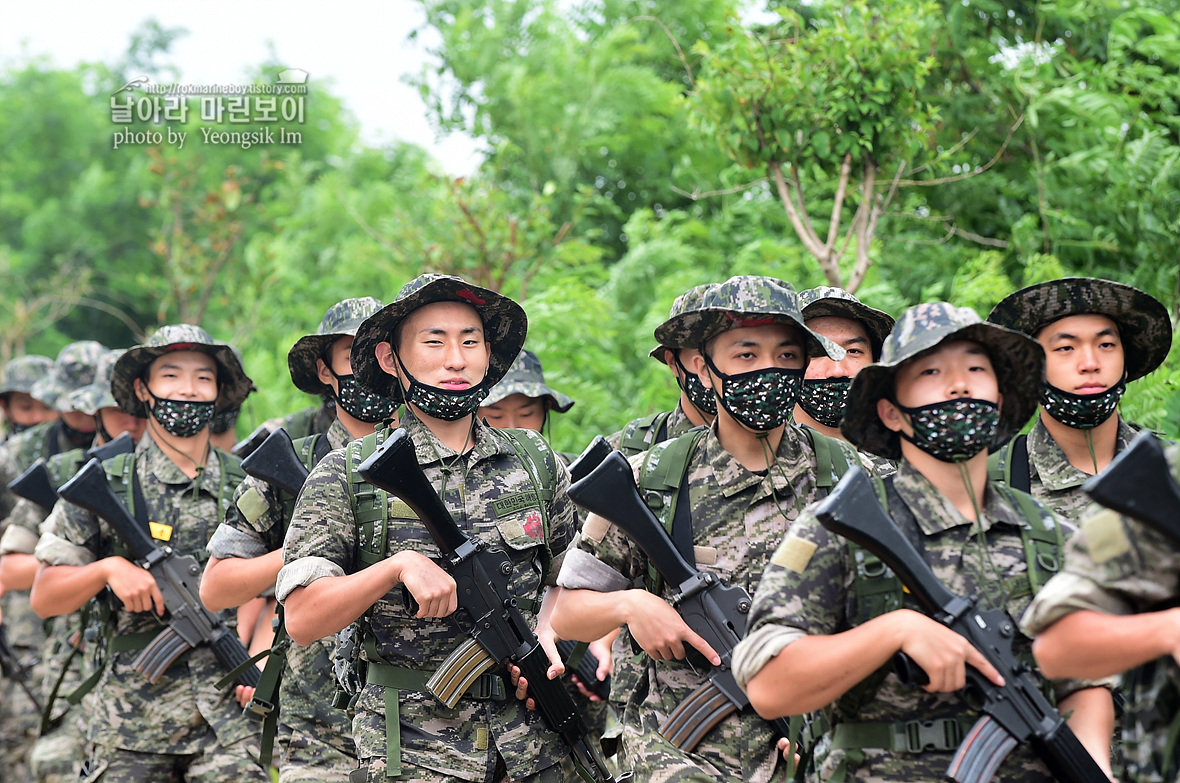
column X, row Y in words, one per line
column 642, row 433
column 540, row 463
column 833, row 458
column 660, row 479
column 369, row 503
column 1043, row 540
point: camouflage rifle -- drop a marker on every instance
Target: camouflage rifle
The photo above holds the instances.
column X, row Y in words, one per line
column 13, row 668
column 499, row 634
column 1139, row 484
column 715, row 611
column 189, row 622
column 1013, row 713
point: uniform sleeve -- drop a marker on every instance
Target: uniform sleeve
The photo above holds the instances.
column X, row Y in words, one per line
column 1113, row 565
column 70, row 536
column 563, row 522
column 321, row 540
column 21, row 530
column 803, row 592
column 254, row 512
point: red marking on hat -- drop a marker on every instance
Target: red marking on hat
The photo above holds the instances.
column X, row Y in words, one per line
column 740, row 321
column 180, row 347
column 532, row 525
column 469, row 295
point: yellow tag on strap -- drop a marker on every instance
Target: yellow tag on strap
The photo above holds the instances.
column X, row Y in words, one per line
column 160, row 532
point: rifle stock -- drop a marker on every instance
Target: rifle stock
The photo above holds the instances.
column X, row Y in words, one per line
column 247, row 445
column 499, row 634
column 275, row 462
column 590, row 458
column 122, row 444
column 189, row 622
column 36, row 484
column 715, row 611
column 1139, row 484
column 1014, row 713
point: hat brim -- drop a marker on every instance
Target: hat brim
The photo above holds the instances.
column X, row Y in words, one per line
column 1019, row 364
column 1144, row 324
column 557, row 401
column 878, row 324
column 693, row 330
column 234, row 386
column 505, row 327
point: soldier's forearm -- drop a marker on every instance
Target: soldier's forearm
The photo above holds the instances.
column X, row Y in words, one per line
column 586, row 615
column 62, row 589
column 17, row 571
column 1091, row 717
column 330, row 603
column 235, row 580
column 812, row 672
column 1091, row 645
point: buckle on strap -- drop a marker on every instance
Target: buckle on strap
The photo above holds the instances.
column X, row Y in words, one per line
column 259, row 708
column 489, row 687
column 918, row 736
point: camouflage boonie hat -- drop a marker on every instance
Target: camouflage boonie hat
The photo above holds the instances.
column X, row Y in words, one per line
column 234, row 384
column 504, row 324
column 689, row 302
column 1018, row 361
column 89, row 399
column 1144, row 324
column 745, row 300
column 74, row 368
column 525, row 377
column 831, row 301
column 22, row 372
column 341, row 320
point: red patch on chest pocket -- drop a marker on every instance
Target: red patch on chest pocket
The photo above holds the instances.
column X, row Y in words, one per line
column 532, row 525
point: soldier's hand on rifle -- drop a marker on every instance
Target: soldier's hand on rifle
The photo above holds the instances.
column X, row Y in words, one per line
column 133, row 585
column 548, row 641
column 243, row 694
column 942, row 653
column 660, row 630
column 431, row 587
column 600, row 649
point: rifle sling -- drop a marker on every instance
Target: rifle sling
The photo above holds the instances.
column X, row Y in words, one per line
column 682, row 522
column 914, row 736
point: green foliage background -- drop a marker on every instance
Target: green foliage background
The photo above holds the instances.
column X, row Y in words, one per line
column 622, row 164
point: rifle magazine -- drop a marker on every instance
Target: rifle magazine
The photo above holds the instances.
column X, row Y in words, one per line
column 696, row 716
column 459, row 672
column 159, row 654
column 982, row 751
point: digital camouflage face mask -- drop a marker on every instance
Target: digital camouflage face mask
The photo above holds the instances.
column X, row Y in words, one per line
column 182, row 418
column 954, row 430
column 824, row 399
column 360, row 403
column 1082, row 411
column 759, row 399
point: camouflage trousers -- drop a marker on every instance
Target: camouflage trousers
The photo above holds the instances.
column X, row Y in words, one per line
column 373, row 771
column 214, row 764
column 57, row 756
column 307, row 759
column 654, row 759
column 19, row 722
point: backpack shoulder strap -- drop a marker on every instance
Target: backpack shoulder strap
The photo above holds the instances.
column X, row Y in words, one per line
column 661, row 477
column 643, row 433
column 1042, row 538
column 1009, row 464
column 833, row 458
column 370, row 505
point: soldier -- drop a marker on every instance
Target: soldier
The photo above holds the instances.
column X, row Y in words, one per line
column 821, row 632
column 859, row 330
column 19, row 410
column 1111, row 611
column 522, row 399
column 182, row 727
column 1098, row 336
column 443, row 343
column 696, row 406
column 74, row 368
column 744, row 478
column 57, row 755
column 315, row 738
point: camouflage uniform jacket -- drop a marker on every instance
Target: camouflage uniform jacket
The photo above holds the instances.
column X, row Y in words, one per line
column 1116, row 565
column 1055, row 482
column 130, row 712
column 21, row 623
column 252, row 528
column 808, row 589
column 491, row 496
column 738, row 517
column 676, row 424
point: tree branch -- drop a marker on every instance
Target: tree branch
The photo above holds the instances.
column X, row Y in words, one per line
column 841, row 188
column 974, row 172
column 810, row 241
column 696, row 195
column 679, row 52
